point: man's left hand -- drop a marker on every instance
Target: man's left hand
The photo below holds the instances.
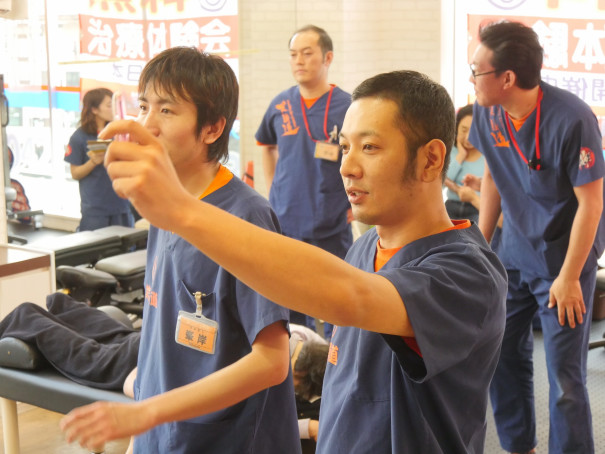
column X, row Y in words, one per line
column 567, row 296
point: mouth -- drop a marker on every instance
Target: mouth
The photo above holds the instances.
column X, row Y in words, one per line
column 355, row 195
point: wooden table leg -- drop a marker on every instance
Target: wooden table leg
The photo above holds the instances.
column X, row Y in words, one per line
column 10, row 426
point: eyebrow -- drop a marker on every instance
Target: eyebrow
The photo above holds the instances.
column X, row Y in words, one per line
column 301, row 50
column 361, row 134
column 165, row 100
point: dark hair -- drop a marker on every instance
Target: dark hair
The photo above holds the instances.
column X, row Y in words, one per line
column 426, row 110
column 92, row 100
column 205, row 80
column 515, row 47
column 324, row 40
column 463, row 112
column 310, row 368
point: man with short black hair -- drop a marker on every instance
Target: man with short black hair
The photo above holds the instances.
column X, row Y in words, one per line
column 301, row 128
column 419, row 302
column 213, row 372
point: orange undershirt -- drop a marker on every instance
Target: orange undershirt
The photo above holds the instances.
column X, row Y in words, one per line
column 222, row 177
column 309, row 102
column 518, row 123
column 384, row 255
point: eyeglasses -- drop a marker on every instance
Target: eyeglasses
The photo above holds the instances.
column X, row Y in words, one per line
column 475, row 75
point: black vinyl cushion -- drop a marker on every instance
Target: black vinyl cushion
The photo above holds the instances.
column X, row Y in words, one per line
column 18, row 354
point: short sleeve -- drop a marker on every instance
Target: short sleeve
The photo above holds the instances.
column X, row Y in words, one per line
column 266, row 134
column 448, row 297
column 76, row 149
column 584, row 152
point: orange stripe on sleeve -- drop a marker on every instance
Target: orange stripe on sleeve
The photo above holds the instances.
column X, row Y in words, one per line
column 384, row 255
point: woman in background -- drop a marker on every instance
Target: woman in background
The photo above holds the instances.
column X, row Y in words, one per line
column 462, row 201
column 99, row 204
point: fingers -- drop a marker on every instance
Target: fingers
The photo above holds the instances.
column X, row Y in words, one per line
column 88, row 426
column 472, row 181
column 567, row 295
column 137, row 132
column 128, row 151
column 465, row 193
column 569, row 313
column 80, row 426
column 130, row 165
column 580, row 310
column 577, row 311
column 573, row 312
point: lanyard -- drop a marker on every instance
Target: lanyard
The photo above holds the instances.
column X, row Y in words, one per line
column 304, row 114
column 532, row 164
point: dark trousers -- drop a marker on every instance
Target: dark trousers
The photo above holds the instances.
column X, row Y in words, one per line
column 512, row 388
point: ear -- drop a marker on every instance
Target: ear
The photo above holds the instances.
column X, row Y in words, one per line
column 431, row 158
column 328, row 58
column 510, row 78
column 211, row 133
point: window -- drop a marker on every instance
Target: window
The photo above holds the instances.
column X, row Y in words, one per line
column 61, row 49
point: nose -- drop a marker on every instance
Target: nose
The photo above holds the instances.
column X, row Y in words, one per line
column 471, row 79
column 148, row 120
column 349, row 166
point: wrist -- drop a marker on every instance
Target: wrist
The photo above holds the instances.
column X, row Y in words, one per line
column 568, row 275
column 150, row 412
column 313, row 429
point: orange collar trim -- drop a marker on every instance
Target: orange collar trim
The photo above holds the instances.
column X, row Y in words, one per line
column 222, row 177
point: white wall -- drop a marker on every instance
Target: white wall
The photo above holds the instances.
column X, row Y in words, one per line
column 369, row 38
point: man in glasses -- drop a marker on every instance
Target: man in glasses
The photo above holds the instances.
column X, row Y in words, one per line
column 544, row 170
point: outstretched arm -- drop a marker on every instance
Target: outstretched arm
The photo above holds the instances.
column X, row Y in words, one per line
column 278, row 267
column 265, row 366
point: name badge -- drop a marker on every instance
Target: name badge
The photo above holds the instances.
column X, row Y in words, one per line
column 196, row 331
column 327, row 151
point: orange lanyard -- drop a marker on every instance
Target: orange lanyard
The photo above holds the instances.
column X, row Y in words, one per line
column 532, row 164
column 304, row 114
